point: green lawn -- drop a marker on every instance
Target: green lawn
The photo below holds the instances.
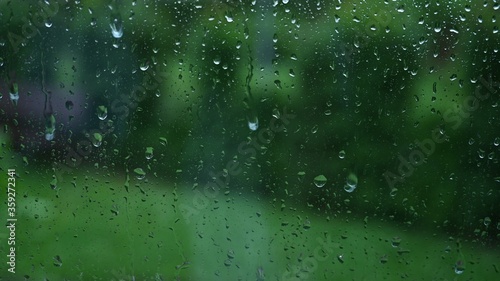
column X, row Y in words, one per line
column 100, row 235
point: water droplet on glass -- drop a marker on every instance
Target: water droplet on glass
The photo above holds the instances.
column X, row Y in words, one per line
column 496, row 142
column 314, row 129
column 393, row 192
column 217, row 60
column 459, row 267
column 351, row 183
column 395, row 242
column 50, row 127
column 276, row 113
column 53, row 182
column 139, row 173
column 97, row 139
column 487, row 221
column 163, row 141
column 144, row 65
column 69, row 105
column 301, row 175
column 320, row 181
column 342, row 154
column 57, row 261
column 253, row 122
column 307, row 224
column 116, row 27
column 14, row 93
column 102, row 112
column 149, row 152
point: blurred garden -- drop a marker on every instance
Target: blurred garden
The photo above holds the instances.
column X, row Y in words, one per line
column 250, row 140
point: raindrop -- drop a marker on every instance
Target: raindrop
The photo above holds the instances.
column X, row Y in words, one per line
column 53, row 182
column 459, row 267
column 253, row 122
column 48, row 23
column 307, row 224
column 139, row 173
column 320, row 181
column 69, row 105
column 57, row 261
column 217, row 60
column 314, row 129
column 395, row 242
column 97, row 139
column 102, row 112
column 487, row 221
column 144, row 65
column 163, row 141
column 14, row 93
column 276, row 113
column 116, row 27
column 301, row 175
column 351, row 183
column 149, row 152
column 50, row 126
column 393, row 192
column 342, row 154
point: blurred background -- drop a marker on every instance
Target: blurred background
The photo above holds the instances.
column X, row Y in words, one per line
column 227, row 140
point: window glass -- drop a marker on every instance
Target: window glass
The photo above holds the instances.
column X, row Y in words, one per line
column 249, row 140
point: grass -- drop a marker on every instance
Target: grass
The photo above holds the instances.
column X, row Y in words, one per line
column 101, row 232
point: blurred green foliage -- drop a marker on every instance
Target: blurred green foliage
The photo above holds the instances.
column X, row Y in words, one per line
column 367, row 79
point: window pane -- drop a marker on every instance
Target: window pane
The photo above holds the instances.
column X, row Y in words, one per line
column 250, row 140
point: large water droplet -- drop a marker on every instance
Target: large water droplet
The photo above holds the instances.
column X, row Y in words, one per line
column 301, row 175
column 459, row 267
column 351, row 183
column 57, row 261
column 342, row 154
column 217, row 60
column 97, row 139
column 139, row 173
column 116, row 26
column 253, row 122
column 50, row 127
column 320, row 181
column 149, row 152
column 69, row 105
column 14, row 93
column 102, row 112
column 163, row 141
